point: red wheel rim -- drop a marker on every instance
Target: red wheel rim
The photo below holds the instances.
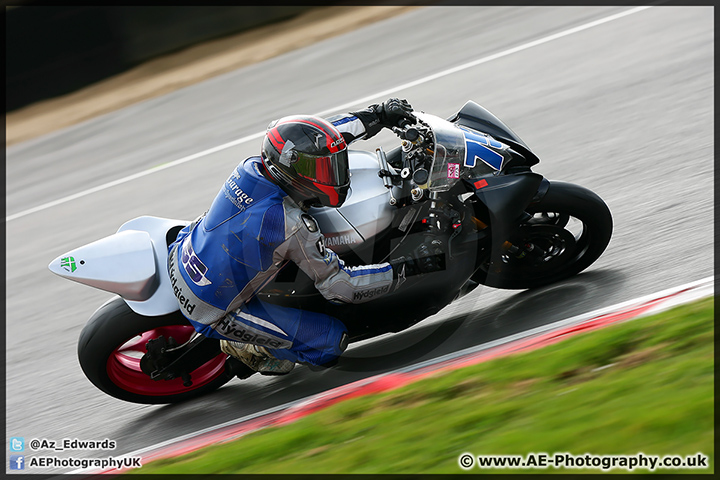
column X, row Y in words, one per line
column 123, row 365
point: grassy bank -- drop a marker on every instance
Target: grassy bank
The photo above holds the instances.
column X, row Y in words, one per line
column 641, row 386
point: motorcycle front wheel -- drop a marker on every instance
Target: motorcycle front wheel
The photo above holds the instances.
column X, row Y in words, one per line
column 112, row 343
column 569, row 229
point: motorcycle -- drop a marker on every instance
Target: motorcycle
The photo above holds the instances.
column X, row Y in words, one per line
column 467, row 181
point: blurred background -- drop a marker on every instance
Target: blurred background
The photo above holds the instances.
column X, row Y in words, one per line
column 65, row 65
column 54, row 50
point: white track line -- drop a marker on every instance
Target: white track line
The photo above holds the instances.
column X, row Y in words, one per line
column 679, row 295
column 343, row 107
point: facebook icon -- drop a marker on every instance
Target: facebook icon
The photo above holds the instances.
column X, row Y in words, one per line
column 17, row 462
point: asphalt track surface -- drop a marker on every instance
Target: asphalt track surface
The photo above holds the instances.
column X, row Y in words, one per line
column 624, row 108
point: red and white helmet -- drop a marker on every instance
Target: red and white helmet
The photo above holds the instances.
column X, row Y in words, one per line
column 308, row 158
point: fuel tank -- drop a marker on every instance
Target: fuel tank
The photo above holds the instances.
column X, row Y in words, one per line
column 366, row 211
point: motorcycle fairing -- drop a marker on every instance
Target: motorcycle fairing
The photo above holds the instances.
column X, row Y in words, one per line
column 104, row 264
column 507, row 196
column 131, row 263
column 163, row 300
column 477, row 147
column 505, row 199
column 479, row 118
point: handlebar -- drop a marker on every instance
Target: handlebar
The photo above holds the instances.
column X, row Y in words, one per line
column 404, row 123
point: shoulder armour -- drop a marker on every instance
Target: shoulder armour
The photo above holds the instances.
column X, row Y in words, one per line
column 309, row 222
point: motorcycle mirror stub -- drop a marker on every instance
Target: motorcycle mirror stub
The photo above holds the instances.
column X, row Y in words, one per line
column 123, row 263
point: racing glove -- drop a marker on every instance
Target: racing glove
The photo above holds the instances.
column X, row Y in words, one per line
column 391, row 113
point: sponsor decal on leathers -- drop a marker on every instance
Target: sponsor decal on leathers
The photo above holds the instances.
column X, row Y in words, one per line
column 327, row 258
column 371, row 292
column 184, row 302
column 235, row 194
column 401, row 277
column 194, row 268
column 246, row 334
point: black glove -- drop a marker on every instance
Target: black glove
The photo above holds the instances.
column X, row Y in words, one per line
column 391, row 113
column 427, row 258
column 394, row 113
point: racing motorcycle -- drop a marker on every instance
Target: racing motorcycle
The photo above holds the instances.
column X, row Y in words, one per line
column 466, row 182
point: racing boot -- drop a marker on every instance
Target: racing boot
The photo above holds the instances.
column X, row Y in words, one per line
column 257, row 358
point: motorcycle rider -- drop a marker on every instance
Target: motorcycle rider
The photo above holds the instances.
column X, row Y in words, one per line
column 259, row 221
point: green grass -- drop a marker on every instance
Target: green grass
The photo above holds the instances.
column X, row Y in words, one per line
column 655, row 396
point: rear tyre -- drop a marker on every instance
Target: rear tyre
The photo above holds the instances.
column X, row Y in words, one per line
column 113, row 342
column 570, row 228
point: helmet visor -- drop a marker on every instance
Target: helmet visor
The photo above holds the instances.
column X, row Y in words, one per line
column 326, row 170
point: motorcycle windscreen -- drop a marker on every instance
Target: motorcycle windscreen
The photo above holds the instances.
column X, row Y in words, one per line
column 460, row 153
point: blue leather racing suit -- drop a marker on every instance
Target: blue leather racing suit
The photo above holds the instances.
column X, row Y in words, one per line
column 221, row 261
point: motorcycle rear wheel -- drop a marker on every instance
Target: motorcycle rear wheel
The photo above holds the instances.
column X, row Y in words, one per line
column 112, row 343
column 571, row 225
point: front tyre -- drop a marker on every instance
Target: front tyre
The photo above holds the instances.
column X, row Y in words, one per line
column 570, row 228
column 112, row 343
